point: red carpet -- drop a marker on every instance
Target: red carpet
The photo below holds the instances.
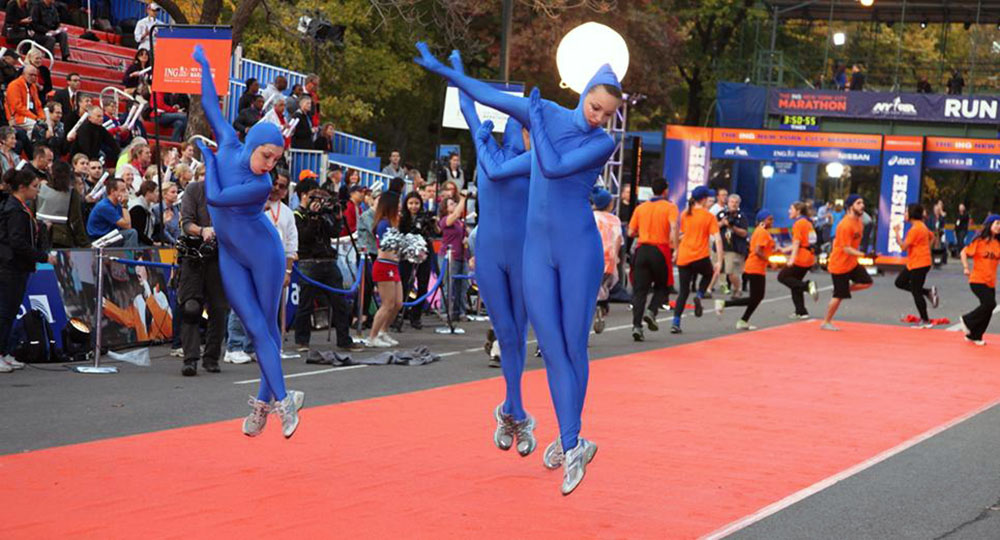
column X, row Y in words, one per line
column 691, row 438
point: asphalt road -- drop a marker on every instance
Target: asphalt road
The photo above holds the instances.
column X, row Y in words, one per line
column 945, row 487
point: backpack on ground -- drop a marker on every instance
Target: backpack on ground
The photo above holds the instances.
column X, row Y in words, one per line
column 37, row 344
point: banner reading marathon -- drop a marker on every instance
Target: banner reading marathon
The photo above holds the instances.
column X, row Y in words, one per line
column 686, row 156
column 803, row 147
column 884, row 106
column 901, row 165
column 174, row 71
column 963, row 154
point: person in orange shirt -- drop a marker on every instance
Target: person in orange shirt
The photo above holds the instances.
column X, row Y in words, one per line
column 800, row 259
column 755, row 270
column 654, row 222
column 917, row 245
column 847, row 274
column 698, row 225
column 985, row 254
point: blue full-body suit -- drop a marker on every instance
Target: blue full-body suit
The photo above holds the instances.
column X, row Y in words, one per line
column 562, row 254
column 251, row 255
column 503, row 205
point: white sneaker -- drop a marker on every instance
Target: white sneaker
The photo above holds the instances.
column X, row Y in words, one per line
column 813, row 291
column 13, row 363
column 798, row 317
column 829, row 326
column 5, row 367
column 287, row 410
column 977, row 342
column 743, row 325
column 377, row 343
column 387, row 338
column 177, row 353
column 923, row 325
column 237, row 357
column 720, row 305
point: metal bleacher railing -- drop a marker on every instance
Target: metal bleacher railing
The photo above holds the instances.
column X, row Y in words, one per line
column 345, row 143
column 236, row 89
column 314, row 160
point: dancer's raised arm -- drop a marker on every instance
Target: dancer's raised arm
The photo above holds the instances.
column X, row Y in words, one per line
column 465, row 102
column 492, row 160
column 554, row 164
column 479, row 91
column 224, row 133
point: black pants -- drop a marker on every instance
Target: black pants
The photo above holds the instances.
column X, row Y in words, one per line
column 913, row 281
column 648, row 270
column 791, row 277
column 369, row 289
column 12, row 286
column 978, row 319
column 200, row 283
column 327, row 273
column 687, row 274
column 757, row 284
column 423, row 275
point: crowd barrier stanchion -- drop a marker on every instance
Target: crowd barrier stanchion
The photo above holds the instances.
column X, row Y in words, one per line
column 97, row 368
column 282, row 315
column 449, row 290
column 360, row 300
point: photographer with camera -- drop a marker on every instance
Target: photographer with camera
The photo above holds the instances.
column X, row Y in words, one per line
column 734, row 227
column 318, row 219
column 416, row 220
column 199, row 283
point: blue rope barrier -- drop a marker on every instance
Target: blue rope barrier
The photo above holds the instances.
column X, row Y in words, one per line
column 314, row 283
column 129, row 262
column 463, row 276
column 418, row 301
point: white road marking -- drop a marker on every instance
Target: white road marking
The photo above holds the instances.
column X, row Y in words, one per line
column 307, row 373
column 774, row 508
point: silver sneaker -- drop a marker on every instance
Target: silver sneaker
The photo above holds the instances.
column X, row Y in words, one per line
column 525, row 432
column 254, row 424
column 298, row 398
column 575, row 464
column 503, row 437
column 813, row 290
column 552, row 458
column 289, row 414
column 13, row 362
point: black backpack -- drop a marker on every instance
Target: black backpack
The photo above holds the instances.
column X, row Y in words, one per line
column 37, row 344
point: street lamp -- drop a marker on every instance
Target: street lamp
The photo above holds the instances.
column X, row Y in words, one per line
column 867, row 3
column 585, row 49
column 834, row 169
column 839, row 38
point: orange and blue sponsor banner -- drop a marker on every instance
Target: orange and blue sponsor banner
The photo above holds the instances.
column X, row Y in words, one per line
column 902, row 160
column 685, row 160
column 963, row 154
column 175, row 71
column 802, row 147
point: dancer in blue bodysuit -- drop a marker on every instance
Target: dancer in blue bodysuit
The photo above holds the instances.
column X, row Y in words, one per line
column 503, row 202
column 563, row 253
column 251, row 256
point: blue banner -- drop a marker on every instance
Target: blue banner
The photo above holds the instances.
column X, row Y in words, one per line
column 901, row 166
column 686, row 161
column 884, row 106
column 802, row 147
column 963, row 154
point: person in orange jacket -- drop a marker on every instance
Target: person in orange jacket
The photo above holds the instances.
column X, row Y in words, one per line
column 917, row 245
column 23, row 107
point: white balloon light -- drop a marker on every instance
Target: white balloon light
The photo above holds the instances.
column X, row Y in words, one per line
column 835, row 169
column 585, row 49
column 767, row 171
column 839, row 39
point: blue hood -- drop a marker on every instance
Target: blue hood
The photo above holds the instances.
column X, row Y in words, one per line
column 604, row 75
column 260, row 134
column 513, row 142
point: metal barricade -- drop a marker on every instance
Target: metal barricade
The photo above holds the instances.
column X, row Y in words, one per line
column 314, row 160
column 232, row 106
column 345, row 143
column 369, row 178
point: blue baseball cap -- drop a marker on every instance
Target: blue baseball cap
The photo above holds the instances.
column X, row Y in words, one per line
column 600, row 198
column 702, row 192
column 851, row 199
column 763, row 214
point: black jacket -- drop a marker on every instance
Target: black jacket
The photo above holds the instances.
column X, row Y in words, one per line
column 12, row 23
column 315, row 233
column 90, row 138
column 44, row 18
column 22, row 240
column 302, row 137
column 246, row 120
column 70, row 114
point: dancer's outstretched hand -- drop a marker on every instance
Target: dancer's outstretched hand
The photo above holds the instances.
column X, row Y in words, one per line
column 199, row 55
column 535, row 107
column 485, row 131
column 427, row 60
column 456, row 61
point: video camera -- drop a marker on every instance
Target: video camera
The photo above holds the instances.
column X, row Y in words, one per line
column 196, row 248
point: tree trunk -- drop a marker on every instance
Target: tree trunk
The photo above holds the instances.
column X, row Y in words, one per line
column 210, row 12
column 695, row 93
